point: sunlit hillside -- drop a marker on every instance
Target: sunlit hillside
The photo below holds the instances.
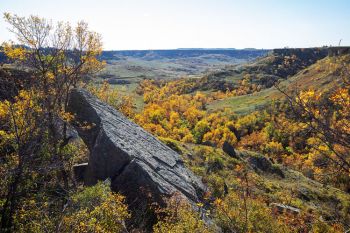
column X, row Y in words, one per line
column 174, row 116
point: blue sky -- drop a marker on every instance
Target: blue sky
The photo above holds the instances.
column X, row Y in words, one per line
column 167, row 24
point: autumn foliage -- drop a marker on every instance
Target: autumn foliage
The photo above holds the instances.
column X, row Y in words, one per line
column 308, row 131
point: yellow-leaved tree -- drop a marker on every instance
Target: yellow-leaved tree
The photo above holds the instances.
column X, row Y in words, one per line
column 327, row 117
column 33, row 133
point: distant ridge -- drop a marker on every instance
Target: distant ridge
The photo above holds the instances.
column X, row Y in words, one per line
column 205, row 49
column 185, row 53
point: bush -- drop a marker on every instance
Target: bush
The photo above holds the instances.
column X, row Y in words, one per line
column 179, row 217
column 95, row 209
column 233, row 214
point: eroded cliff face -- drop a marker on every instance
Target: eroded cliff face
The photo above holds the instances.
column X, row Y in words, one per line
column 132, row 158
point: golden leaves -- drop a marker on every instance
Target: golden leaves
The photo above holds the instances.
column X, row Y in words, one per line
column 14, row 52
column 66, row 116
column 309, row 96
column 20, row 118
column 72, row 53
column 96, row 209
column 180, row 218
column 170, row 113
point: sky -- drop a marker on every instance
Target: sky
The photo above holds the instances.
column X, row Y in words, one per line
column 171, row 24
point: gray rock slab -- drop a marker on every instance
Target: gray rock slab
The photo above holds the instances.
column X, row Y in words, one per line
column 124, row 152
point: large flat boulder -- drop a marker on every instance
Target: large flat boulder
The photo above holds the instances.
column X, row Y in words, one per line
column 132, row 158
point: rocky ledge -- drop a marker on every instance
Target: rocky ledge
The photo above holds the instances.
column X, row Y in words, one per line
column 136, row 162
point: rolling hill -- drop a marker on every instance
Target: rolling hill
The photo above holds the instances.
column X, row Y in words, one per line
column 135, row 65
column 315, row 72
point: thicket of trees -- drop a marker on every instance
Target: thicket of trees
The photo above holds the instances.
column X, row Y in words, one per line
column 309, row 132
column 38, row 192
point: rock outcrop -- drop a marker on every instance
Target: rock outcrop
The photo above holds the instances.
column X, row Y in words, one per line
column 132, row 158
column 230, row 150
column 260, row 162
column 281, row 208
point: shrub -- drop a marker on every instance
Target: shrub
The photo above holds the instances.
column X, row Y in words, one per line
column 96, row 209
column 179, row 217
column 234, row 214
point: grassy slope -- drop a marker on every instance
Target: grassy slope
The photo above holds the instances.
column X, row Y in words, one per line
column 134, row 70
column 138, row 68
column 317, row 76
column 246, row 103
column 294, row 189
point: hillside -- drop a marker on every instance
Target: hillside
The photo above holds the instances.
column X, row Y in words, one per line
column 277, row 183
column 292, row 68
column 245, row 54
column 235, row 129
column 317, row 74
column 136, row 65
column 278, row 64
column 226, row 142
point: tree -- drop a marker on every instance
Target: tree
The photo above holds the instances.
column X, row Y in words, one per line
column 59, row 57
column 21, row 141
column 327, row 116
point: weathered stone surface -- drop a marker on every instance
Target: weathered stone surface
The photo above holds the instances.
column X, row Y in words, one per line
column 127, row 154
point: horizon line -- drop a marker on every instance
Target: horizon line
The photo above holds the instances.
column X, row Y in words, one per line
column 218, row 48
